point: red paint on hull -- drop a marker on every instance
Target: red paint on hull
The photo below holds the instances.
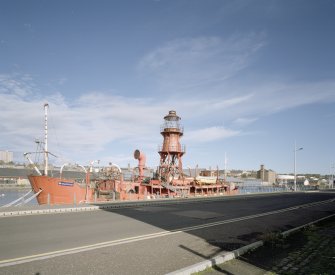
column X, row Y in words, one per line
column 59, row 191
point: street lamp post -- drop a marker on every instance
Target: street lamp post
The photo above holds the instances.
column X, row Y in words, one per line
column 295, row 164
column 331, row 175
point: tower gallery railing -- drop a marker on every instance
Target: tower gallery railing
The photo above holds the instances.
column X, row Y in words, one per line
column 172, row 148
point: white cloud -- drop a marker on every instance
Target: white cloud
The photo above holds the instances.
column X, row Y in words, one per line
column 95, row 124
column 193, row 62
column 276, row 97
column 62, row 80
column 199, row 73
column 87, row 126
column 20, row 85
column 84, row 126
column 209, row 134
column 244, row 121
column 231, row 102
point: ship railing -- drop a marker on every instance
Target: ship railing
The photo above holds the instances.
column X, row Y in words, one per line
column 168, row 186
column 172, row 128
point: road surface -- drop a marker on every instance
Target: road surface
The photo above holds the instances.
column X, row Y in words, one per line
column 149, row 239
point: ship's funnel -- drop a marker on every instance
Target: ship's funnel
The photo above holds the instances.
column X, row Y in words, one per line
column 140, row 156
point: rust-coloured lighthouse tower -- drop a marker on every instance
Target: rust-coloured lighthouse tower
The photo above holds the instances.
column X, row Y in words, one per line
column 171, row 152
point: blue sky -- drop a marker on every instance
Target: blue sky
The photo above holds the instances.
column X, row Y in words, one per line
column 247, row 77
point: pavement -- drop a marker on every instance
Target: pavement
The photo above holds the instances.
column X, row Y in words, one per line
column 308, row 250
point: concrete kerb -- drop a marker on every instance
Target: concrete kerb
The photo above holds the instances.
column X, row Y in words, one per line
column 227, row 256
column 47, row 211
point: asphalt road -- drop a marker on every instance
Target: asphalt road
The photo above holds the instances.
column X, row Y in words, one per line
column 148, row 239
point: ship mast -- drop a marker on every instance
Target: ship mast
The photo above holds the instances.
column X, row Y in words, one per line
column 46, row 105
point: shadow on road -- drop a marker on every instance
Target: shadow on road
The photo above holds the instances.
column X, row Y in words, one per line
column 231, row 235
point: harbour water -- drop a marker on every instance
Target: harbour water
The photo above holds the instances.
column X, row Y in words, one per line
column 9, row 195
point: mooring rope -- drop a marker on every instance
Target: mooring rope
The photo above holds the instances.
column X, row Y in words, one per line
column 15, row 201
column 29, row 199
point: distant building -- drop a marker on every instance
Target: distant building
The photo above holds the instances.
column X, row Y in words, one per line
column 266, row 175
column 285, row 179
column 6, row 156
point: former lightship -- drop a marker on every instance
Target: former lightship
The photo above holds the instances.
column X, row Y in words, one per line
column 113, row 183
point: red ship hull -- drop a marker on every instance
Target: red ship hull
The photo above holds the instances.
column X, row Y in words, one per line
column 58, row 191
